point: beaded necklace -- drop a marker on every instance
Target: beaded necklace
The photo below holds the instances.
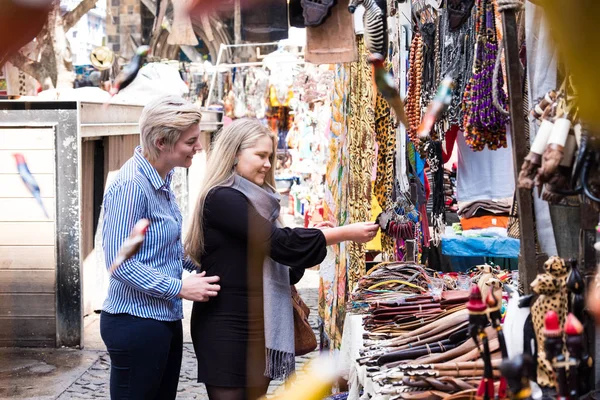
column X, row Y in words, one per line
column 428, row 33
column 413, row 95
column 483, row 123
column 438, row 218
column 438, row 130
column 456, row 61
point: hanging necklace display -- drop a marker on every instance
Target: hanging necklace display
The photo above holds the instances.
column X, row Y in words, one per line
column 456, row 61
column 427, row 22
column 413, row 96
column 438, row 212
column 428, row 30
column 485, row 125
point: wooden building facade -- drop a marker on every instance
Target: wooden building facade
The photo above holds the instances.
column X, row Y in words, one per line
column 50, row 275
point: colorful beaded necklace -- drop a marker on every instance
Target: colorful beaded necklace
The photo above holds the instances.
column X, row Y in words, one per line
column 413, row 95
column 483, row 123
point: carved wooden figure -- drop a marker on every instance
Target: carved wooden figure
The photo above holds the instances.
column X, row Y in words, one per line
column 552, row 290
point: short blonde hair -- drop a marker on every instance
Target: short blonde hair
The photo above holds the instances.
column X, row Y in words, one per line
column 165, row 118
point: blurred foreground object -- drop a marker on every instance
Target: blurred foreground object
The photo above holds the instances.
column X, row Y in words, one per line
column 29, row 180
column 575, row 29
column 385, row 85
column 130, row 71
column 436, row 107
column 131, row 245
column 20, row 22
column 314, row 384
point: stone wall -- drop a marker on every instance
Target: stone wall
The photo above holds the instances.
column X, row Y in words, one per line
column 123, row 22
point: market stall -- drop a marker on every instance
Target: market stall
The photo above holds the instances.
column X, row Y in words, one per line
column 466, row 112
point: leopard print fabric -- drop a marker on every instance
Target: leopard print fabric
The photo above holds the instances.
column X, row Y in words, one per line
column 385, row 135
column 551, row 287
column 361, row 155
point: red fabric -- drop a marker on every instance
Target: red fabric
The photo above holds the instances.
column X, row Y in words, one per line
column 449, row 140
column 427, row 187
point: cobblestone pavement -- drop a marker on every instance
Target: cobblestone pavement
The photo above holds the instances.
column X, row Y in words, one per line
column 93, row 384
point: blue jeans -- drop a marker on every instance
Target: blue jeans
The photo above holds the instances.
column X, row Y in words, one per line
column 145, row 356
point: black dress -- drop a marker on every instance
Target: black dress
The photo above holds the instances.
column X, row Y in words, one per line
column 221, row 330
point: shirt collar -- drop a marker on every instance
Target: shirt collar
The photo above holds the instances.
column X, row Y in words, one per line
column 150, row 172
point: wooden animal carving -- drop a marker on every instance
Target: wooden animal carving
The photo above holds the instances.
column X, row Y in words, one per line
column 551, row 287
column 493, row 285
column 485, row 274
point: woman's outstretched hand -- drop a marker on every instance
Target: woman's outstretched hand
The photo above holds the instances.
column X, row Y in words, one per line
column 362, row 232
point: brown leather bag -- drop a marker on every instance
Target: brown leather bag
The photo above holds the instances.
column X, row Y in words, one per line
column 304, row 337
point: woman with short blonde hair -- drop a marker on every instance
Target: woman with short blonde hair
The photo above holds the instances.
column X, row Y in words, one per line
column 141, row 316
column 245, row 337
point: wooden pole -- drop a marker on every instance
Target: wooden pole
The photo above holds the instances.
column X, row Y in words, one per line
column 237, row 22
column 520, row 148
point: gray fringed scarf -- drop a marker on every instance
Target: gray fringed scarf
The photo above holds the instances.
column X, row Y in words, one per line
column 278, row 312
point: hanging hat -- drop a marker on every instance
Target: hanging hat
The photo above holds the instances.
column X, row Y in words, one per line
column 102, row 58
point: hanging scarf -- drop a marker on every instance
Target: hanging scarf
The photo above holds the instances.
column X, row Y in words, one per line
column 279, row 320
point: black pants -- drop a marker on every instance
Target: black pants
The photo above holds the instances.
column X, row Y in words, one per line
column 145, row 356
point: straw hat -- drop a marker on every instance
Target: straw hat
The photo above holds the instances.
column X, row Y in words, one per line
column 102, row 58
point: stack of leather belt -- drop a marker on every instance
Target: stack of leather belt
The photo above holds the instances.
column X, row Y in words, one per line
column 389, row 282
column 417, row 346
column 412, row 312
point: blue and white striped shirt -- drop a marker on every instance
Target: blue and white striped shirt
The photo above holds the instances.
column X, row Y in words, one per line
column 147, row 284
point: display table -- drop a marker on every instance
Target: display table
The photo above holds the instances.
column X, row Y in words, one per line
column 461, row 246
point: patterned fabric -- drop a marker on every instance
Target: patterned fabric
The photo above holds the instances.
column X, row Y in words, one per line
column 361, row 154
column 385, row 134
column 332, row 287
column 348, row 192
column 148, row 283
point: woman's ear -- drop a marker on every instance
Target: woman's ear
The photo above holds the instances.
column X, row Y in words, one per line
column 160, row 144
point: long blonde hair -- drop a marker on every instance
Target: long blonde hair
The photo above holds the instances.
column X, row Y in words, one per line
column 220, row 167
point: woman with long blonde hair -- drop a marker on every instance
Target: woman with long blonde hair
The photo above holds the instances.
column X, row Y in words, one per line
column 244, row 337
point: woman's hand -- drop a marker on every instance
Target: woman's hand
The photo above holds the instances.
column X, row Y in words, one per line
column 199, row 287
column 362, row 232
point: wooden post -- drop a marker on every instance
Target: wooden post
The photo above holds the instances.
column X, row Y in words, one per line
column 237, row 22
column 520, row 147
